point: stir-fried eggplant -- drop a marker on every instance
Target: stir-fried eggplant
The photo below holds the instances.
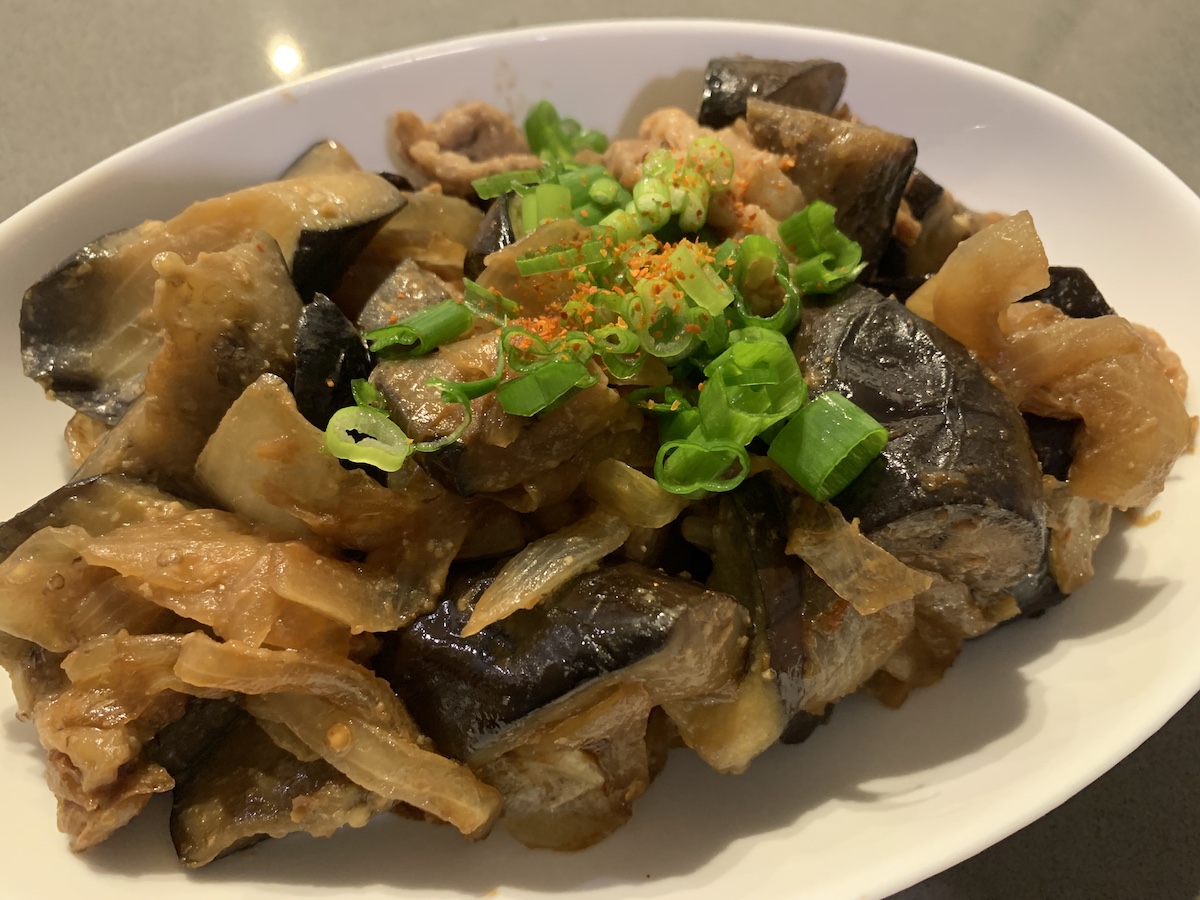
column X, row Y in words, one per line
column 281, row 650
column 466, row 691
column 227, row 318
column 247, row 788
column 958, row 489
column 730, row 81
column 329, row 355
column 88, row 331
column 859, row 169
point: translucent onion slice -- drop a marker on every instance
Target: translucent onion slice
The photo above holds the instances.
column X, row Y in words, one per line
column 348, row 717
column 634, row 496
column 384, row 761
column 546, row 564
column 1077, row 525
column 857, row 569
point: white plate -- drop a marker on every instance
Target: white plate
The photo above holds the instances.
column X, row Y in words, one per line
column 875, row 801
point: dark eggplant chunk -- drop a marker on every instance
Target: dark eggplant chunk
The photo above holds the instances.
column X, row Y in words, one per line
column 958, row 489
column 322, row 158
column 245, row 789
column 407, row 290
column 860, row 169
column 227, row 318
column 1053, row 440
column 330, row 354
column 496, row 232
column 1073, row 291
column 464, row 692
column 97, row 505
column 730, row 81
column 750, row 563
column 88, row 331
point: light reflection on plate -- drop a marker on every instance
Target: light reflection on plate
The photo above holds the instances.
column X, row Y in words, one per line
column 873, row 802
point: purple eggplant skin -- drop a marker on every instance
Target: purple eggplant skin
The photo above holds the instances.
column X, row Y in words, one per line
column 107, row 499
column 322, row 257
column 958, row 488
column 860, row 170
column 750, row 563
column 495, row 232
column 1072, row 291
column 463, row 690
column 330, row 354
column 730, row 81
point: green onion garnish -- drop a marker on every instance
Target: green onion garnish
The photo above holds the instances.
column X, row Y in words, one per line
column 828, row 259
column 487, row 304
column 491, row 186
column 827, row 444
column 423, row 331
column 751, row 386
column 363, row 434
column 543, row 387
column 688, row 466
column 555, row 138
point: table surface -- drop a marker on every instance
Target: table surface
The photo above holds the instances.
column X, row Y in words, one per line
column 80, row 80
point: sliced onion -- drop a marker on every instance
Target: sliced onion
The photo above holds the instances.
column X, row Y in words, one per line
column 858, row 570
column 384, row 761
column 545, row 565
column 634, row 496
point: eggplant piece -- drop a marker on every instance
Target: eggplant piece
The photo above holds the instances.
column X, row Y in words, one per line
column 859, row 169
column 88, row 331
column 97, row 504
column 322, row 158
column 246, row 789
column 407, row 290
column 1072, row 290
column 330, row 354
column 730, row 81
column 750, row 563
column 958, row 489
column 49, row 597
column 554, row 705
column 496, row 232
column 466, row 692
column 227, row 318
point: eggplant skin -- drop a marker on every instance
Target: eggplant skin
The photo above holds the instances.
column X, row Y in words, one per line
column 1072, row 291
column 729, row 81
column 98, row 504
column 750, row 563
column 958, row 489
column 496, row 232
column 859, row 169
column 463, row 690
column 330, row 354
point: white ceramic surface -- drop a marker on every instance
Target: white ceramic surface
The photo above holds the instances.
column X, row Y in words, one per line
column 878, row 799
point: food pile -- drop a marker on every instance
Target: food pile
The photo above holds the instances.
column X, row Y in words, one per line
column 469, row 491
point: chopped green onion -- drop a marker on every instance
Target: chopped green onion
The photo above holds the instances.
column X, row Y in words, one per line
column 604, row 190
column 712, row 159
column 543, row 387
column 365, row 435
column 827, row 444
column 487, row 304
column 491, row 186
column 559, row 139
column 366, row 394
column 829, row 259
column 593, row 254
column 578, row 181
column 424, row 330
column 462, row 393
column 662, row 319
column 624, row 225
column 751, row 386
column 698, row 279
column 687, row 466
column 550, row 201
